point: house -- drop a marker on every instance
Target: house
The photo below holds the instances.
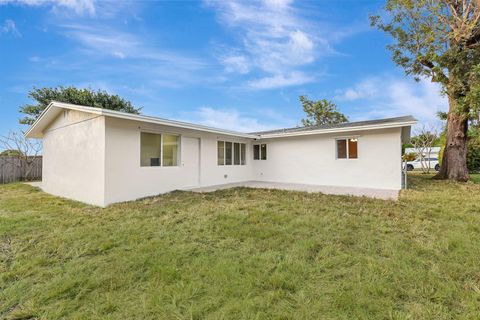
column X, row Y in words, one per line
column 101, row 156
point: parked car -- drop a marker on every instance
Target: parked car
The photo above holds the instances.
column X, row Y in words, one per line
column 417, row 164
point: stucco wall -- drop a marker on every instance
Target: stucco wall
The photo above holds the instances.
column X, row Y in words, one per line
column 96, row 159
column 127, row 180
column 73, row 157
column 312, row 160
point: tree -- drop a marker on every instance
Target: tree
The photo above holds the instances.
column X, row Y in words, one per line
column 321, row 112
column 10, row 153
column 85, row 97
column 440, row 40
column 423, row 142
column 18, row 147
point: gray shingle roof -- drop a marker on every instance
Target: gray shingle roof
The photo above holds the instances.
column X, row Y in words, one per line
column 341, row 125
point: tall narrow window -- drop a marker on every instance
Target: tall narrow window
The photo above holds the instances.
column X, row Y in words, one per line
column 342, row 149
column 236, row 153
column 170, row 150
column 352, row 148
column 242, row 153
column 220, row 153
column 256, row 152
column 228, row 153
column 347, row 148
column 150, row 149
column 263, row 153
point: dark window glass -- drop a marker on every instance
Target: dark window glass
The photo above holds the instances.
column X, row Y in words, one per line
column 228, row 153
column 220, row 153
column 236, row 153
column 256, row 152
column 352, row 149
column 341, row 149
column 242, row 153
column 263, row 153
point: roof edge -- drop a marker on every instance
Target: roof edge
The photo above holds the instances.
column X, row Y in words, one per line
column 339, row 130
column 133, row 117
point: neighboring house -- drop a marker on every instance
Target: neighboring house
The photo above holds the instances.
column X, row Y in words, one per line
column 434, row 152
column 101, row 156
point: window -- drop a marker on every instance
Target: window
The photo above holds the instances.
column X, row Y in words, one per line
column 347, row 148
column 228, row 153
column 220, row 153
column 263, row 153
column 231, row 153
column 170, row 150
column 256, row 152
column 151, row 146
column 242, row 153
column 259, row 152
column 158, row 149
column 236, row 153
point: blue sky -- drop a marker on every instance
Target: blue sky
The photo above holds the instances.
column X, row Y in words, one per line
column 233, row 64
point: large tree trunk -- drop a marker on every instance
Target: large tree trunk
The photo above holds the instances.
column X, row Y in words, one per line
column 454, row 161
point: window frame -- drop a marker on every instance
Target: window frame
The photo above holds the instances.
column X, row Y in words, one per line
column 347, row 147
column 260, row 153
column 241, row 162
column 161, row 134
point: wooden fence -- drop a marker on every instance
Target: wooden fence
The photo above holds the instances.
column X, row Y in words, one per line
column 13, row 169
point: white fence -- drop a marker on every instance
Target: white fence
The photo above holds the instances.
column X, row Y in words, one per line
column 14, row 169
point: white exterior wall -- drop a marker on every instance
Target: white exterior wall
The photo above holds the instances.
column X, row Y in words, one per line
column 73, row 157
column 312, row 160
column 96, row 159
column 127, row 180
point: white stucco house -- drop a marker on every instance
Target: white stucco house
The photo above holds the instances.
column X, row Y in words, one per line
column 100, row 157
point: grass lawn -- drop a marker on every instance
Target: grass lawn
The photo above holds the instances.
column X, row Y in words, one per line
column 475, row 177
column 243, row 254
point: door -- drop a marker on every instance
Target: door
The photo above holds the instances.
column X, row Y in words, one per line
column 191, row 161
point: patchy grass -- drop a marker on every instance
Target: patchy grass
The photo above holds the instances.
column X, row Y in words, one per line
column 243, row 254
column 475, row 177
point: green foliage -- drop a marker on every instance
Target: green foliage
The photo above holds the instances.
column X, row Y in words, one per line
column 473, row 155
column 438, row 40
column 85, row 97
column 242, row 254
column 427, row 136
column 11, row 153
column 409, row 156
column 321, row 112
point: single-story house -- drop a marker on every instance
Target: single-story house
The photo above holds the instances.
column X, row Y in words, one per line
column 100, row 156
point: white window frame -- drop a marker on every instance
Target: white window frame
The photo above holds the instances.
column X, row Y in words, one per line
column 162, row 133
column 233, row 153
column 260, row 153
column 347, row 148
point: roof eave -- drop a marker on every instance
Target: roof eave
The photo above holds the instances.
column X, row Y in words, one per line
column 32, row 132
column 338, row 130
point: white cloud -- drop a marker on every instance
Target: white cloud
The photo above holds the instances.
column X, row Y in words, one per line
column 275, row 40
column 280, row 80
column 236, row 63
column 9, row 27
column 367, row 88
column 78, row 6
column 230, row 119
column 388, row 97
column 101, row 40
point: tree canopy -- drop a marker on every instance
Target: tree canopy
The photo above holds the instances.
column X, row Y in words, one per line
column 85, row 97
column 440, row 40
column 321, row 112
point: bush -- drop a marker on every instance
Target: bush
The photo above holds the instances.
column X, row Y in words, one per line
column 473, row 155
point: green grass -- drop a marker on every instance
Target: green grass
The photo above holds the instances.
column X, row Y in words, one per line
column 243, row 254
column 475, row 177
